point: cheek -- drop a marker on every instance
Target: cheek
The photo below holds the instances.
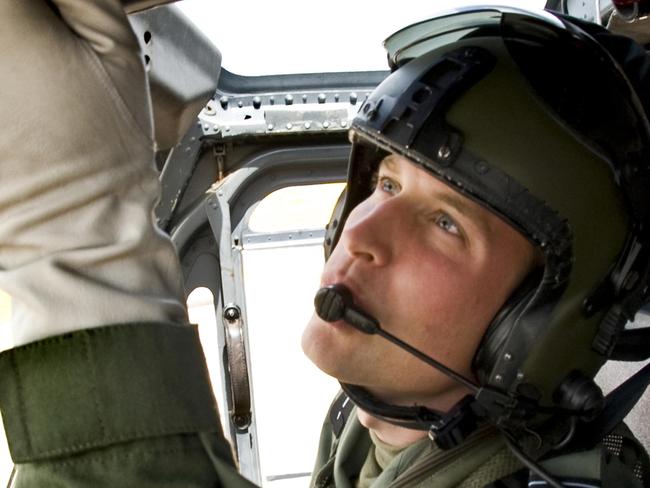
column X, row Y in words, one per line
column 434, row 281
column 444, row 307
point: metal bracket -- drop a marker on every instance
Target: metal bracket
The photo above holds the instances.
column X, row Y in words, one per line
column 233, row 322
column 176, row 175
column 240, row 411
column 219, row 152
column 241, row 115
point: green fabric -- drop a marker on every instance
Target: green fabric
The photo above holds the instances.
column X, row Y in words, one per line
column 584, row 464
column 481, row 459
column 379, row 458
column 370, row 470
column 167, row 462
column 384, row 453
column 351, row 453
column 125, row 405
column 83, row 379
column 501, row 464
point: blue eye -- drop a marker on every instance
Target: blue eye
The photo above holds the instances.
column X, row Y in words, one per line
column 446, row 223
column 387, row 185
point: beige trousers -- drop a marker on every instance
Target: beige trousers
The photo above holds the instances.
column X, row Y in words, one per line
column 78, row 246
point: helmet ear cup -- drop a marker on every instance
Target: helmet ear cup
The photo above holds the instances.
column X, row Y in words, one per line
column 492, row 344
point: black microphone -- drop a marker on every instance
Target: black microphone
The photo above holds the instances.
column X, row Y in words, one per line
column 335, row 302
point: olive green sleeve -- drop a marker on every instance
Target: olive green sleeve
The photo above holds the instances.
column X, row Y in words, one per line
column 125, row 405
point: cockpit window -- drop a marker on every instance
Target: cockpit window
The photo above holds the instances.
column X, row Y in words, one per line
column 286, row 37
column 282, row 255
column 295, row 207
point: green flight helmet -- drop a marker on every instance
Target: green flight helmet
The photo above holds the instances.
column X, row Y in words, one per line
column 526, row 114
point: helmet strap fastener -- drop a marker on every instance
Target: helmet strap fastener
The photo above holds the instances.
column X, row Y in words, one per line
column 487, row 403
column 454, row 427
column 626, row 290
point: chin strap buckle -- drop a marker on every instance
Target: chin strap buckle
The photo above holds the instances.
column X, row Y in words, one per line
column 455, row 426
column 502, row 409
column 489, row 404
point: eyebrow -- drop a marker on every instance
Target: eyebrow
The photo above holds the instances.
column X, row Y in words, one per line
column 389, row 162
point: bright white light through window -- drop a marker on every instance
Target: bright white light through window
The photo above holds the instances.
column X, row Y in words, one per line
column 291, row 395
column 200, row 310
column 296, row 207
column 290, row 36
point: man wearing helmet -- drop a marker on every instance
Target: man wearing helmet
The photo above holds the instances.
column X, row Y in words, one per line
column 452, row 263
column 465, row 243
column 475, row 169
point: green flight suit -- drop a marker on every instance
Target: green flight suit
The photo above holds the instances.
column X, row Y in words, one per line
column 126, row 405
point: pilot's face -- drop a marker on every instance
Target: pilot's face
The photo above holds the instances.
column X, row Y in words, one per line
column 433, row 268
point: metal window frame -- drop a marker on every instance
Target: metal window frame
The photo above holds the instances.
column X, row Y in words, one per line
column 210, row 242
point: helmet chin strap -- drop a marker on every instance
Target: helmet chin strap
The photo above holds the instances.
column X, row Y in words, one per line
column 448, row 429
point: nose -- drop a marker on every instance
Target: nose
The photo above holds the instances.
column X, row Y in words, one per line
column 371, row 231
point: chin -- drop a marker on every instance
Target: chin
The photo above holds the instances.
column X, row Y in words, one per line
column 315, row 344
column 324, row 345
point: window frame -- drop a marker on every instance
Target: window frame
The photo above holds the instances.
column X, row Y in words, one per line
column 212, row 232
